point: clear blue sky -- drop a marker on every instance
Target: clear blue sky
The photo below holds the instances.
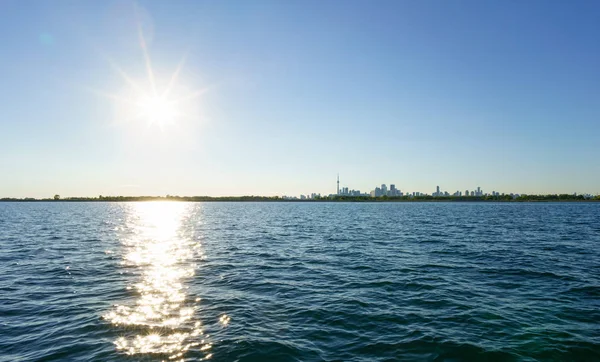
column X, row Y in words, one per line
column 499, row 94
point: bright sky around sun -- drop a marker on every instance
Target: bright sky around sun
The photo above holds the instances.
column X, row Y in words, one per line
column 277, row 97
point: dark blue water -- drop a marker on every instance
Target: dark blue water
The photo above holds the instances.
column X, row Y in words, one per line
column 299, row 281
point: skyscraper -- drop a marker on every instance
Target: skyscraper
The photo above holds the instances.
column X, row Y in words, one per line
column 338, row 184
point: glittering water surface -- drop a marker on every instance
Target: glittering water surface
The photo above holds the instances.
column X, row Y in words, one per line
column 163, row 281
column 164, row 252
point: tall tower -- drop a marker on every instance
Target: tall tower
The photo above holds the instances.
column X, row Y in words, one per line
column 338, row 184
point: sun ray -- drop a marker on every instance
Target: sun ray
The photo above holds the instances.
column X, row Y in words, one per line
column 111, row 96
column 159, row 103
column 174, row 77
column 144, row 47
column 191, row 96
column 124, row 75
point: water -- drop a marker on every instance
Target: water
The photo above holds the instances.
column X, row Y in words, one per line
column 299, row 281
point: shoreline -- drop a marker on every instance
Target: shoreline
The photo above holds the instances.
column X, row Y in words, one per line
column 535, row 198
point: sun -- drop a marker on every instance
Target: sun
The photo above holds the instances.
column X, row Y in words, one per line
column 157, row 101
column 157, row 110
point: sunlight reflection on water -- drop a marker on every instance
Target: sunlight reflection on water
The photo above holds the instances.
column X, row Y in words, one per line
column 162, row 254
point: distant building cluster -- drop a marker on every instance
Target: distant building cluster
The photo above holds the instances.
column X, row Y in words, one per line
column 378, row 192
column 393, row 191
column 383, row 191
column 477, row 192
column 312, row 196
column 344, row 191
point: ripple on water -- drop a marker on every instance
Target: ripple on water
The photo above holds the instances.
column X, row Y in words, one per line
column 161, row 319
column 299, row 282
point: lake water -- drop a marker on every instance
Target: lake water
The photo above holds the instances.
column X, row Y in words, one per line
column 299, row 281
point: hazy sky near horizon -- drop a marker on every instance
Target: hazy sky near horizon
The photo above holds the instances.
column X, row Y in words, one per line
column 277, row 97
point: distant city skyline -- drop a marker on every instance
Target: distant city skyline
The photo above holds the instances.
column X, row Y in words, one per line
column 274, row 97
column 377, row 191
column 394, row 191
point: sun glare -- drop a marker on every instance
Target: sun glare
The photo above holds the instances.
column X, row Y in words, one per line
column 160, row 250
column 157, row 110
column 156, row 100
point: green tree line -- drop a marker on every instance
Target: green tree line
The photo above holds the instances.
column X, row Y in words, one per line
column 499, row 198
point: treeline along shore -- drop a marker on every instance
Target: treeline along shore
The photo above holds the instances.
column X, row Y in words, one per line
column 333, row 198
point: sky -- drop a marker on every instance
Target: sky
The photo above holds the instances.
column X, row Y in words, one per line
column 278, row 97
